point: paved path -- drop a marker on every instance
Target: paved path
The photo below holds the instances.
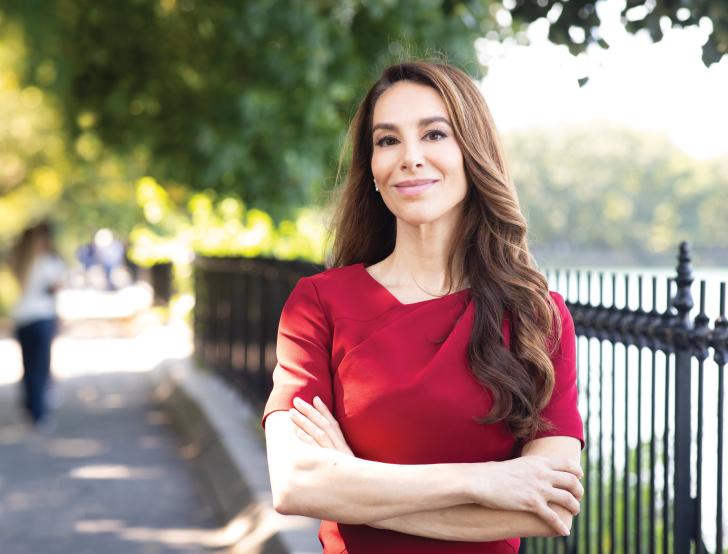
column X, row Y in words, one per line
column 112, row 478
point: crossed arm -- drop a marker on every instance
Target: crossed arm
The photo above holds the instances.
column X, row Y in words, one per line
column 474, row 522
column 465, row 502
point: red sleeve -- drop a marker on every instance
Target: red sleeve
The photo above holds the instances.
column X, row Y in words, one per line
column 562, row 410
column 303, row 350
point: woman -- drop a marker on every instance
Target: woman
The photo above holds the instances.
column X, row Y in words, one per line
column 425, row 396
column 40, row 272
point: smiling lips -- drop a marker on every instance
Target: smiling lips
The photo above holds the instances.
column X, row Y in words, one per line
column 414, row 186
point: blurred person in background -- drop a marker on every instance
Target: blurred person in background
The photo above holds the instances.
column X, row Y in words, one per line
column 109, row 253
column 40, row 272
column 86, row 255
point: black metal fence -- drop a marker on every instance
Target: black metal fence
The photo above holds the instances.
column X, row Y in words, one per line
column 651, row 371
column 238, row 302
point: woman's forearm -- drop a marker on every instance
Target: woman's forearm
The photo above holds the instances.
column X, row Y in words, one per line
column 327, row 484
column 472, row 523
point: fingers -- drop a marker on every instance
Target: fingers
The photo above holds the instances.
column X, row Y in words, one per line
column 569, row 482
column 334, row 430
column 310, row 428
column 324, row 411
column 321, row 407
column 318, row 422
column 305, row 437
column 552, row 519
column 566, row 464
column 565, row 499
column 311, row 413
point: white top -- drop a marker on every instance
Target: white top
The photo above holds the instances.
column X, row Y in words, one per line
column 36, row 302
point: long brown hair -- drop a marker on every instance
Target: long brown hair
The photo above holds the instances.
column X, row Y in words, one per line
column 489, row 245
column 25, row 249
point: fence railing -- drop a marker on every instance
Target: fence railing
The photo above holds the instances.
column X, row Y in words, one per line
column 238, row 302
column 651, row 394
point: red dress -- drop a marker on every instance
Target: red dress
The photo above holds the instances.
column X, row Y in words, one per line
column 400, row 393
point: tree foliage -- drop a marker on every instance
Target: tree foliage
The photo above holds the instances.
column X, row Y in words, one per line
column 246, row 97
column 605, row 189
column 575, row 23
column 31, row 149
column 253, row 97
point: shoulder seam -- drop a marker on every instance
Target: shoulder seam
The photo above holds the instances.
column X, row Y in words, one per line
column 321, row 307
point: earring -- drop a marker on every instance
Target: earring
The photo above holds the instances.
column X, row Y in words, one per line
column 376, row 188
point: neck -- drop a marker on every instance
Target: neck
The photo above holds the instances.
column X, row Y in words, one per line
column 420, row 257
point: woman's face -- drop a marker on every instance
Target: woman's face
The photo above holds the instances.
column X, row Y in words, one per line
column 416, row 161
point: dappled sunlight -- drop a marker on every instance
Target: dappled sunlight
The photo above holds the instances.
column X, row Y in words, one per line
column 73, row 356
column 99, row 525
column 109, row 474
column 141, row 353
column 11, row 360
column 75, row 304
column 116, row 471
column 75, row 448
column 244, row 533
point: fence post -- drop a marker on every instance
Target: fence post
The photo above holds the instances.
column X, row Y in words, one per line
column 683, row 503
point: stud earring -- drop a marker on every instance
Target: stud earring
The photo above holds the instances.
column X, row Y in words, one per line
column 376, row 188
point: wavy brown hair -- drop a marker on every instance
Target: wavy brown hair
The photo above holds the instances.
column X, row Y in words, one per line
column 488, row 248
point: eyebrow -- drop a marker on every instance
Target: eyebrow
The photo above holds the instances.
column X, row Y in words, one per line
column 421, row 123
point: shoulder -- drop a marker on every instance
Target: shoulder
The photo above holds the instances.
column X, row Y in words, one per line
column 333, row 274
column 328, row 288
column 332, row 282
column 558, row 299
column 348, row 292
column 560, row 303
column 563, row 337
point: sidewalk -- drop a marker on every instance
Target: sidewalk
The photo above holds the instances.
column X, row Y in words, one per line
column 112, row 478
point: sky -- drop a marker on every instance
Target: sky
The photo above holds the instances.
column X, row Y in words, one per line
column 659, row 87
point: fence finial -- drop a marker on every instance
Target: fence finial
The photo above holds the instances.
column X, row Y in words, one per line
column 683, row 299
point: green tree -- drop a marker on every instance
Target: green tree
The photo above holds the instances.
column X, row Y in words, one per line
column 245, row 97
column 575, row 23
column 252, row 97
column 32, row 160
column 625, row 191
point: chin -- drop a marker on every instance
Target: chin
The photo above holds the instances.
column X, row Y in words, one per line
column 420, row 216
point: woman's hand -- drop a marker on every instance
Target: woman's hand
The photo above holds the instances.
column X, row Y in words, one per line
column 316, row 425
column 529, row 483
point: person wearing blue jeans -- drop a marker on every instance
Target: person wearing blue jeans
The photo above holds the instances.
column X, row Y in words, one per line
column 35, row 344
column 40, row 273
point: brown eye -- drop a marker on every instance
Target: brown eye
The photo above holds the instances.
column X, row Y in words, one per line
column 386, row 141
column 436, row 135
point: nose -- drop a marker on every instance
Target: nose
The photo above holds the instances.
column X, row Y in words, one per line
column 412, row 157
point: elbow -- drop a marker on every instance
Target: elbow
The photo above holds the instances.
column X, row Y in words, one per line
column 283, row 490
column 303, row 491
column 288, row 490
column 282, row 502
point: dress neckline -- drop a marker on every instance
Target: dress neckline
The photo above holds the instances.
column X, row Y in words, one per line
column 397, row 300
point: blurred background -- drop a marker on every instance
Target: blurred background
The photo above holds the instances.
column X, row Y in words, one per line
column 153, row 133
column 189, row 126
